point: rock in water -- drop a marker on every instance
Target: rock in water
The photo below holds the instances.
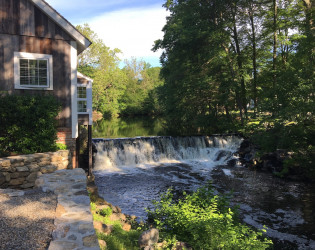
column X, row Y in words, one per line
column 148, row 238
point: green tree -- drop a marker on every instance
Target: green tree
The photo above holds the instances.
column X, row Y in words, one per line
column 102, row 64
column 219, row 55
column 140, row 96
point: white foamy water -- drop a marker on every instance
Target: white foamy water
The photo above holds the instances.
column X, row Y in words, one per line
column 132, row 172
column 134, row 154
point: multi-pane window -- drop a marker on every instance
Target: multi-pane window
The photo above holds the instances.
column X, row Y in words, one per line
column 34, row 72
column 82, row 106
column 82, row 92
column 82, row 99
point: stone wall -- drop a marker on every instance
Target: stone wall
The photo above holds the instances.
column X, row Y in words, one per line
column 23, row 170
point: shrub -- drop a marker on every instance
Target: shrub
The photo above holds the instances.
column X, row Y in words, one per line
column 61, row 146
column 28, row 124
column 120, row 239
column 106, row 212
column 204, row 221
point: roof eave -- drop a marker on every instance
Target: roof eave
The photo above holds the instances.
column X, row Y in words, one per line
column 82, row 41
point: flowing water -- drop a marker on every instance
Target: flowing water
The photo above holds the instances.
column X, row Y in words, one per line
column 131, row 172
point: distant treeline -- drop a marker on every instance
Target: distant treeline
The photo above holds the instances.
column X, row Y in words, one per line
column 127, row 91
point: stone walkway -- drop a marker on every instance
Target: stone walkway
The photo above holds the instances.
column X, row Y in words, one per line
column 74, row 221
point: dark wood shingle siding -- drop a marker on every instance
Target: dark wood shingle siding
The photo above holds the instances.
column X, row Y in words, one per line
column 25, row 28
column 22, row 17
column 60, row 50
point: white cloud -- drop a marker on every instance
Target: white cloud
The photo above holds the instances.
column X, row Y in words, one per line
column 131, row 30
column 83, row 4
column 120, row 23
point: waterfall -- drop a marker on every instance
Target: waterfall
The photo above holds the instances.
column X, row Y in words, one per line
column 116, row 154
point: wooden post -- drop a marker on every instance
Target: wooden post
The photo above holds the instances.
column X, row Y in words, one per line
column 78, row 148
column 90, row 148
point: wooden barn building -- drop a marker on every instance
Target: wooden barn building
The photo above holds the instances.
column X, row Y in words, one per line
column 35, row 36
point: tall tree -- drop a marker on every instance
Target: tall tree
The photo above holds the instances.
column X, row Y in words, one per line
column 102, row 64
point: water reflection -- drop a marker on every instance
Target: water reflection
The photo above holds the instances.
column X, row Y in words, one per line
column 128, row 127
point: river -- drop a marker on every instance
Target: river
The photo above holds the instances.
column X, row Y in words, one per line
column 132, row 172
column 128, row 127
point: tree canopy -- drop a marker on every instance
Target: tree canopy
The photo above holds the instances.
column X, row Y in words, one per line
column 128, row 91
column 243, row 65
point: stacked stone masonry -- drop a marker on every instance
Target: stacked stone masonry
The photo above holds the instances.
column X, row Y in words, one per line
column 22, row 171
column 74, row 227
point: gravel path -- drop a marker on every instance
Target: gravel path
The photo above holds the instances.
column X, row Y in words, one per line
column 27, row 221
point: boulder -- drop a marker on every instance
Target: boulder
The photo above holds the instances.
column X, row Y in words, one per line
column 117, row 216
column 100, row 207
column 17, row 182
column 148, row 238
column 18, row 165
column 7, row 176
column 90, row 241
column 102, row 244
column 33, row 167
column 2, row 180
column 32, row 177
column 99, row 226
column 126, row 227
column 28, row 185
column 222, row 153
column 48, row 169
column 182, row 246
column 5, row 163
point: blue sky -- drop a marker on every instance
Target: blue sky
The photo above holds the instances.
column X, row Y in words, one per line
column 129, row 25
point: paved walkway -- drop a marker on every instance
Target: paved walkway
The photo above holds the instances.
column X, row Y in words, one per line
column 74, row 221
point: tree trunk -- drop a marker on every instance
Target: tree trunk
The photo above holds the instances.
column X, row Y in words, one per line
column 240, row 66
column 274, row 57
column 254, row 57
column 233, row 74
column 310, row 33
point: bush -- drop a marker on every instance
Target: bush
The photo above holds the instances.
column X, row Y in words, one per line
column 296, row 137
column 61, row 146
column 204, row 221
column 28, row 124
column 106, row 212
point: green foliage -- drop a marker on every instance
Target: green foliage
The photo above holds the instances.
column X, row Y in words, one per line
column 120, row 239
column 106, row 212
column 28, row 124
column 101, row 64
column 93, row 206
column 61, row 146
column 140, row 96
column 128, row 91
column 295, row 137
column 241, row 66
column 205, row 221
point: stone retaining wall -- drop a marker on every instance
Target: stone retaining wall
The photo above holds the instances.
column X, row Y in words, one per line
column 23, row 170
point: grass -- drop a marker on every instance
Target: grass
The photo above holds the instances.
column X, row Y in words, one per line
column 118, row 239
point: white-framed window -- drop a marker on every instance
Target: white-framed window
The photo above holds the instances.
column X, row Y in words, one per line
column 33, row 71
column 82, row 106
column 82, row 98
column 82, row 92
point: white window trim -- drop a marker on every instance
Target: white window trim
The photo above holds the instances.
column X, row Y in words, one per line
column 34, row 56
column 87, row 99
column 74, row 82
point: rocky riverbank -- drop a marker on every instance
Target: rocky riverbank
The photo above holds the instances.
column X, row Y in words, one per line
column 272, row 162
column 110, row 223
